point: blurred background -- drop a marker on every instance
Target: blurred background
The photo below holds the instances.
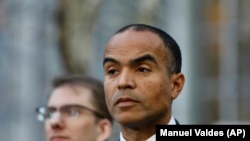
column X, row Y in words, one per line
column 41, row 39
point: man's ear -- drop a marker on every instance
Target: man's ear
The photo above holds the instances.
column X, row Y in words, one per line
column 177, row 81
column 104, row 130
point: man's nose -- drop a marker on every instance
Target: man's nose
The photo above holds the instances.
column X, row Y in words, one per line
column 56, row 121
column 126, row 80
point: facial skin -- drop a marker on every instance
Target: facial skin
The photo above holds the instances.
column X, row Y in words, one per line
column 138, row 90
column 85, row 128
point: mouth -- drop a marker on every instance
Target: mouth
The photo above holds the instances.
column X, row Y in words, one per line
column 58, row 138
column 125, row 102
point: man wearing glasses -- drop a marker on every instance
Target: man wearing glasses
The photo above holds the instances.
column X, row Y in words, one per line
column 76, row 111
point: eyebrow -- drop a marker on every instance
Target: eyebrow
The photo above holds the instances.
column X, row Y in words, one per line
column 108, row 59
column 143, row 58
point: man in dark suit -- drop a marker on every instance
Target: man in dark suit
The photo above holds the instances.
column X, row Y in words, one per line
column 142, row 77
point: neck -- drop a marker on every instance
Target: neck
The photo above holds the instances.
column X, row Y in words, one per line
column 141, row 132
column 137, row 134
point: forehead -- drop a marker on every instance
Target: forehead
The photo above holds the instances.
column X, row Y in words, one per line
column 64, row 95
column 135, row 43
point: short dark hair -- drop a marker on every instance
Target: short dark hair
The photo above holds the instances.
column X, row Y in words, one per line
column 93, row 84
column 175, row 53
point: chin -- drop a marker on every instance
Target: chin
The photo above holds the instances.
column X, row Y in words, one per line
column 128, row 121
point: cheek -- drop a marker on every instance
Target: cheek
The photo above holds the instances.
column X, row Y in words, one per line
column 108, row 90
column 84, row 122
column 153, row 85
column 82, row 129
column 47, row 129
column 156, row 91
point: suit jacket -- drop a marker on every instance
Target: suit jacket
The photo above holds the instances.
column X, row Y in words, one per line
column 176, row 122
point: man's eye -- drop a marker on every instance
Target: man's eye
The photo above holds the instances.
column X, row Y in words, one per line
column 49, row 114
column 72, row 112
column 111, row 72
column 141, row 69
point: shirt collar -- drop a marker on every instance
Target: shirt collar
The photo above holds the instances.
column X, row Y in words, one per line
column 152, row 138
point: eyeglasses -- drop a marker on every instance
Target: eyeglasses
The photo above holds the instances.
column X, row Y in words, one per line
column 66, row 111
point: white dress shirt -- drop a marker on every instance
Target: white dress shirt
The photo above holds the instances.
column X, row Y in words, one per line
column 152, row 138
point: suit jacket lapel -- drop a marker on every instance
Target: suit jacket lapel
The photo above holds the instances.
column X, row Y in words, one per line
column 177, row 122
